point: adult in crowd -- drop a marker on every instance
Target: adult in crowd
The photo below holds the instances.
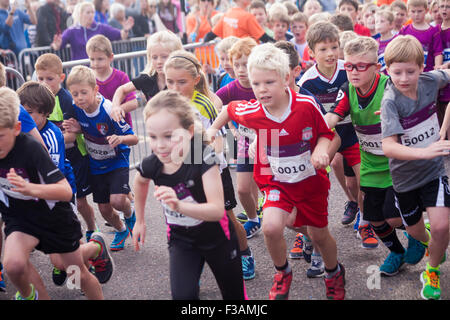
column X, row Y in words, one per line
column 118, row 18
column 85, row 28
column 51, row 20
column 148, row 21
column 101, row 11
column 198, row 22
column 12, row 25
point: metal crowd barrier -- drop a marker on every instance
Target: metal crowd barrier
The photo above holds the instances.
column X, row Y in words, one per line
column 14, row 78
column 27, row 57
column 132, row 63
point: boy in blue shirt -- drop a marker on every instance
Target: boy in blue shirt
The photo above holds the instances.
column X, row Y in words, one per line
column 107, row 143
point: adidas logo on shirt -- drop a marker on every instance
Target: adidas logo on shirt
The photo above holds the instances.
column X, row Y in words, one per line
column 283, row 132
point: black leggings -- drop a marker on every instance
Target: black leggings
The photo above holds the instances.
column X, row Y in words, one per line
column 186, row 266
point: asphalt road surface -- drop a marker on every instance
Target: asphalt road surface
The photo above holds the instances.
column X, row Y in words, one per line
column 144, row 275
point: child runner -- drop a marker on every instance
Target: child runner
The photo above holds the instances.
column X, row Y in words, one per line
column 109, row 79
column 411, row 140
column 49, row 70
column 400, row 12
column 48, row 223
column 428, row 36
column 107, row 143
column 361, row 98
column 384, row 24
column 324, row 81
column 289, row 156
column 222, row 48
column 38, row 100
column 192, row 198
column 350, row 7
column 184, row 74
column 240, row 89
column 152, row 79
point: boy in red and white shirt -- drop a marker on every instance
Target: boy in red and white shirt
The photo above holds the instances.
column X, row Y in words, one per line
column 291, row 157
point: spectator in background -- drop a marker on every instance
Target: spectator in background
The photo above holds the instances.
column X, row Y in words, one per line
column 51, row 20
column 198, row 22
column 12, row 29
column 148, row 21
column 118, row 18
column 101, row 11
column 85, row 28
column 168, row 13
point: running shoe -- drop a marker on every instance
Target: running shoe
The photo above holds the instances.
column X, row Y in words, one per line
column 431, row 288
column 356, row 225
column 351, row 209
column 415, row 251
column 119, row 240
column 392, row 264
column 259, row 209
column 242, row 217
column 307, row 249
column 59, row 277
column 2, row 280
column 89, row 235
column 317, row 268
column 33, row 295
column 130, row 222
column 103, row 263
column 281, row 285
column 366, row 234
column 252, row 228
column 336, row 285
column 297, row 249
column 248, row 267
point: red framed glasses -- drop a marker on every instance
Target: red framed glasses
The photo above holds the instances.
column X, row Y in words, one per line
column 359, row 66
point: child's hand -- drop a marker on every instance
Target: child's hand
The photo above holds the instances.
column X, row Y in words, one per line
column 117, row 113
column 114, row 140
column 320, row 160
column 19, row 183
column 138, row 235
column 71, row 126
column 210, row 135
column 252, row 149
column 436, row 149
column 168, row 195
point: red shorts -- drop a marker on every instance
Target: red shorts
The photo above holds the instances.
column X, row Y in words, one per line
column 352, row 155
column 312, row 206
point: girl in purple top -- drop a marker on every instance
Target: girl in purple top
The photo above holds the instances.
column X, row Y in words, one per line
column 444, row 94
column 85, row 28
column 427, row 35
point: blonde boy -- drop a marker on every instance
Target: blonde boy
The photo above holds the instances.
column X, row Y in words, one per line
column 222, row 52
column 410, row 129
column 107, row 143
column 293, row 140
column 279, row 23
column 400, row 12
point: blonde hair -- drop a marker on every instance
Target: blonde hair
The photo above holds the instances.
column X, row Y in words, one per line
column 9, row 108
column 362, row 46
column 182, row 59
column 243, row 47
column 166, row 39
column 280, row 16
column 388, row 15
column 81, row 75
column 225, row 44
column 319, row 16
column 268, row 57
column 49, row 62
column 404, row 49
column 321, row 31
column 417, row 3
column 2, row 75
column 300, row 17
column 346, row 36
column 79, row 8
column 99, row 43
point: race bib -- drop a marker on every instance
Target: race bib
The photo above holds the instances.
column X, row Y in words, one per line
column 176, row 218
column 446, row 55
column 5, row 189
column 421, row 128
column 99, row 151
column 292, row 163
column 247, row 132
column 370, row 138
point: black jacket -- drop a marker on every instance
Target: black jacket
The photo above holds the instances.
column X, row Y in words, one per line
column 46, row 23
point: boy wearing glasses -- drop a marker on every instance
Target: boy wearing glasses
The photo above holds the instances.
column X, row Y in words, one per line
column 361, row 98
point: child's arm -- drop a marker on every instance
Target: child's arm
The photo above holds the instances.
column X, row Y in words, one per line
column 60, row 190
column 320, row 158
column 445, row 124
column 393, row 149
column 118, row 109
column 140, row 188
column 438, row 60
column 129, row 140
column 220, row 121
column 212, row 210
column 332, row 119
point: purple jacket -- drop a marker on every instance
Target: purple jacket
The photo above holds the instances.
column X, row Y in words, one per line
column 78, row 36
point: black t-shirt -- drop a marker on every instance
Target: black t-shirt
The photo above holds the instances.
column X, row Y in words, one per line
column 31, row 161
column 187, row 183
column 147, row 84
